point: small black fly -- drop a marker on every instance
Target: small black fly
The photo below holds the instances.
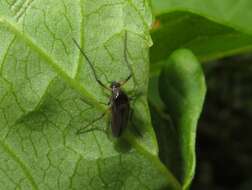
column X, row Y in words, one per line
column 119, row 102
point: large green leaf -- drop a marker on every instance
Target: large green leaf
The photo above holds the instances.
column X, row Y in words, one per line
column 211, row 29
column 182, row 89
column 48, row 92
column 235, row 14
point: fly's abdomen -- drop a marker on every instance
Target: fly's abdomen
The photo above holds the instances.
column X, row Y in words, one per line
column 120, row 116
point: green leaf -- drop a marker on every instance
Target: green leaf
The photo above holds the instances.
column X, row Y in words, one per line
column 48, row 92
column 235, row 14
column 182, row 89
column 211, row 29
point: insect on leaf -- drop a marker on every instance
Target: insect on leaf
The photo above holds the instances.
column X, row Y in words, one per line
column 48, row 92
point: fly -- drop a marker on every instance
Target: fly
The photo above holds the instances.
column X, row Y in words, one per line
column 119, row 102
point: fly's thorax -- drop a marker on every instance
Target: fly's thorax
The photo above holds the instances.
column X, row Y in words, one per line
column 116, row 93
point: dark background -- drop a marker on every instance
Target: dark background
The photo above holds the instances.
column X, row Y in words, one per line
column 224, row 135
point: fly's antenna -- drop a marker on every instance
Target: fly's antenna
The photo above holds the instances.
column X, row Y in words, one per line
column 126, row 59
column 125, row 52
column 90, row 64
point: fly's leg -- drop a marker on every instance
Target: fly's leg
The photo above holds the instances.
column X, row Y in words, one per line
column 99, row 101
column 108, row 103
column 133, row 124
column 133, row 95
column 85, row 128
column 127, row 61
column 126, row 54
column 107, row 130
column 92, row 67
column 126, row 80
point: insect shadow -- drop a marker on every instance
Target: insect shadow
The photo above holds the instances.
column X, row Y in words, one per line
column 119, row 101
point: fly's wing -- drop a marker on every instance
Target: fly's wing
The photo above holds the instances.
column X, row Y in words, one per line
column 120, row 116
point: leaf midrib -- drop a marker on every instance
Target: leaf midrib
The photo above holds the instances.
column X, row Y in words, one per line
column 89, row 98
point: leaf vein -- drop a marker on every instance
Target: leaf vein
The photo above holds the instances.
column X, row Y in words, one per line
column 89, row 98
column 22, row 165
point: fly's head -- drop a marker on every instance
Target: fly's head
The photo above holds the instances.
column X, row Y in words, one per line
column 115, row 87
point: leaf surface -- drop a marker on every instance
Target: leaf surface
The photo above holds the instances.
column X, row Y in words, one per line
column 48, row 92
